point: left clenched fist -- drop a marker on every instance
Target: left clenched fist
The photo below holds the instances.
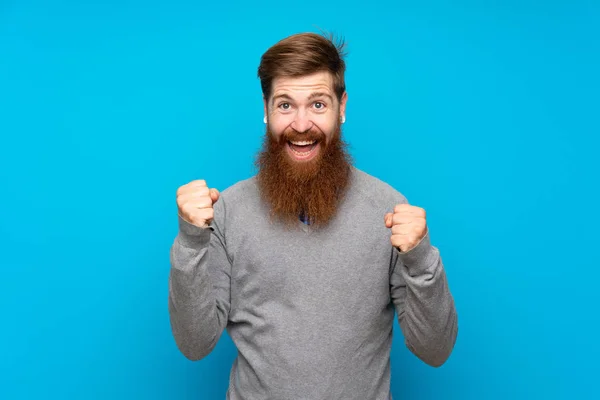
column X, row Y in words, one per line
column 408, row 225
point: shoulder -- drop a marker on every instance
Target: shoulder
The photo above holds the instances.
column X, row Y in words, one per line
column 376, row 191
column 240, row 190
column 241, row 196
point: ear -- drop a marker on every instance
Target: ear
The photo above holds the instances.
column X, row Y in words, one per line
column 265, row 108
column 343, row 101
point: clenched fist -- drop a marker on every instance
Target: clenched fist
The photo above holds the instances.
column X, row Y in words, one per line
column 195, row 203
column 408, row 226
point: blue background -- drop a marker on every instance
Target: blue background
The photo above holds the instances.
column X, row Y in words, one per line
column 484, row 113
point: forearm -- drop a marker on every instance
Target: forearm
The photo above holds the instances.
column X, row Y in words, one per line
column 198, row 317
column 429, row 320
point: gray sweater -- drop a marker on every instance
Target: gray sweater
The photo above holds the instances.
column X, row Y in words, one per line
column 310, row 311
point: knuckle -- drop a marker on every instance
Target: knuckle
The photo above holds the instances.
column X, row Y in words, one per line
column 185, row 210
column 205, row 202
column 181, row 196
column 195, row 214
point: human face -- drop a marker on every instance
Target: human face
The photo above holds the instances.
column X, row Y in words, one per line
column 304, row 109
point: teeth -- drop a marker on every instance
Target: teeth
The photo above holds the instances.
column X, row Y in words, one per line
column 301, row 154
column 303, row 143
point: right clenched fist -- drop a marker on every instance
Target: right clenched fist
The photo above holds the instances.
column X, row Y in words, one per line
column 195, row 203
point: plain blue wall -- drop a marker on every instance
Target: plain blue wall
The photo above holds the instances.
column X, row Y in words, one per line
column 484, row 113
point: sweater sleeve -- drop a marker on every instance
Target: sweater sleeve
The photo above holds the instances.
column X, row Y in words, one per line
column 199, row 288
column 424, row 304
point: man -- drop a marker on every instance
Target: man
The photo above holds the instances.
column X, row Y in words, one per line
column 306, row 262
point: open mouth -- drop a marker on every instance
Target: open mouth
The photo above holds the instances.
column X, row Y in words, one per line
column 303, row 149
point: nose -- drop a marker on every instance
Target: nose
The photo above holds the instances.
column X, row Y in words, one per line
column 302, row 122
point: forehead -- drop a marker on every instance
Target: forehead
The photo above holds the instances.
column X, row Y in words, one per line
column 303, row 86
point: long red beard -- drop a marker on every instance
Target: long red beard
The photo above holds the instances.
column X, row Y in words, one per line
column 314, row 188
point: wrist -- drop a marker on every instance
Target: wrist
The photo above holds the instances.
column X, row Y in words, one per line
column 418, row 259
column 191, row 234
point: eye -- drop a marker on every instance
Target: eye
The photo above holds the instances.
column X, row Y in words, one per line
column 319, row 105
column 284, row 106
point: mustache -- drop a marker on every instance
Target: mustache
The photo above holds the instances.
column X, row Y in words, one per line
column 293, row 135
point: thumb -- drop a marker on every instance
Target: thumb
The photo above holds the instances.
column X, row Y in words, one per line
column 214, row 195
column 388, row 220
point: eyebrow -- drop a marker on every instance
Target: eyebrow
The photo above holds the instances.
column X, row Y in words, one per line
column 280, row 96
column 312, row 96
column 320, row 94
